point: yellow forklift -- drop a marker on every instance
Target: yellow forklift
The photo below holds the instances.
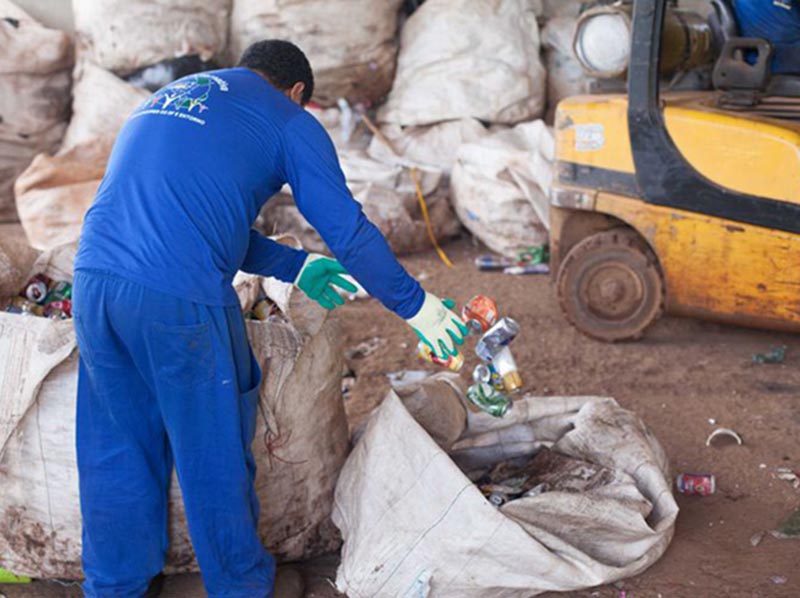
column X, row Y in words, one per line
column 679, row 202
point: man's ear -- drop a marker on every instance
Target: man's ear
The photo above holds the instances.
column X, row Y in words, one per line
column 296, row 92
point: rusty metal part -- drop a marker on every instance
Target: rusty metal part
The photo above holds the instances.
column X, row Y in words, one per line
column 610, row 286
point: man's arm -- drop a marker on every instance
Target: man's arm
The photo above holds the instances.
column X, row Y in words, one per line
column 312, row 169
column 266, row 257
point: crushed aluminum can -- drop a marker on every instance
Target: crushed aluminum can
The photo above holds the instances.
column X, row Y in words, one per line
column 36, row 289
column 696, row 484
column 26, row 307
column 488, row 263
column 59, row 291
column 482, row 374
column 498, row 499
column 486, row 398
column 507, row 369
column 486, row 373
column 527, row 269
column 498, row 336
column 453, row 363
column 262, row 310
column 480, row 313
column 61, row 307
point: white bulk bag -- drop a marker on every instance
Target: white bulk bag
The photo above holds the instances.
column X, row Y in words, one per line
column 55, row 191
column 125, row 35
column 35, row 79
column 415, row 525
column 500, row 187
column 429, row 147
column 301, row 434
column 350, row 43
column 468, row 59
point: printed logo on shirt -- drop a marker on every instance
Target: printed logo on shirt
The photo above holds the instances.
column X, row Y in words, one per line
column 186, row 98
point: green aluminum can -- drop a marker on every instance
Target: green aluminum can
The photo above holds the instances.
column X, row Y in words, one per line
column 489, row 399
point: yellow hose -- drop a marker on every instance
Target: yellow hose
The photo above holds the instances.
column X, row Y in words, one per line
column 423, row 206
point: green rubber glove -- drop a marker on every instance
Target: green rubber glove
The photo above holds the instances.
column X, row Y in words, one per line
column 317, row 278
column 439, row 327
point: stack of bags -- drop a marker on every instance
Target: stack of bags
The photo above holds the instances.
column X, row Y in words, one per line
column 464, row 86
column 468, row 74
column 34, row 94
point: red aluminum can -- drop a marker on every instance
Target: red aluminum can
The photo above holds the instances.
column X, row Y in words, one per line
column 480, row 312
column 65, row 306
column 696, row 483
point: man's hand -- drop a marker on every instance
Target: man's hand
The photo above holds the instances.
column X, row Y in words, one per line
column 439, row 327
column 317, row 278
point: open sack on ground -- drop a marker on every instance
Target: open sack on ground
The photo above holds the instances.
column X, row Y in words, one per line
column 35, row 65
column 415, row 525
column 301, row 432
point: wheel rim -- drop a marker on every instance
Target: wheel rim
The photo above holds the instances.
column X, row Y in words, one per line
column 612, row 291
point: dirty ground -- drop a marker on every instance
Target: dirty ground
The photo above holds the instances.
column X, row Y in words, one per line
column 680, row 378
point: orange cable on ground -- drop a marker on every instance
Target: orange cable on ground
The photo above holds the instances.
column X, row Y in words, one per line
column 420, row 196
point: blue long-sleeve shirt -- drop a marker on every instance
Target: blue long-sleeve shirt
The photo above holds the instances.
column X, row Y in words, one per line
column 188, row 175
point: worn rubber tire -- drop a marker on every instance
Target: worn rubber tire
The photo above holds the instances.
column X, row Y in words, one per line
column 610, row 286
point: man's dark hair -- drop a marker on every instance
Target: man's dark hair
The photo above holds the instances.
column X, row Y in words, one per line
column 283, row 63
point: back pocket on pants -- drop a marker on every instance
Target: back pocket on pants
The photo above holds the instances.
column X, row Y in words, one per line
column 183, row 356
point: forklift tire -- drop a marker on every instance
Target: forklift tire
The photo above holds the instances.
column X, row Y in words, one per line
column 610, row 286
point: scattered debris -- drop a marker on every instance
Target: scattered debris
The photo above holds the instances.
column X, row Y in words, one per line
column 547, row 471
column 788, row 475
column 533, row 260
column 531, row 269
column 348, row 382
column 777, row 355
column 779, row 579
column 756, row 538
column 695, row 483
column 790, row 527
column 722, row 433
column 365, row 349
column 490, row 263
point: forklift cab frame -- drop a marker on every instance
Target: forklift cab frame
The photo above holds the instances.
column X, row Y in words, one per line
column 648, row 226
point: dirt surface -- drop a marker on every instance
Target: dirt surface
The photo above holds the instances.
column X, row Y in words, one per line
column 679, row 378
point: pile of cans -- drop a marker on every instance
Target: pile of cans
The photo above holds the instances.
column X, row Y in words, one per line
column 497, row 377
column 43, row 297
